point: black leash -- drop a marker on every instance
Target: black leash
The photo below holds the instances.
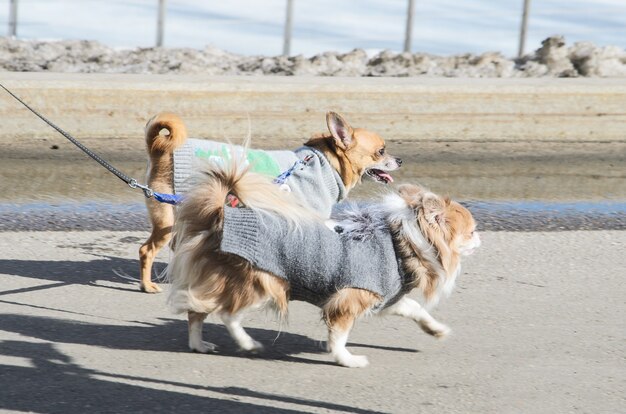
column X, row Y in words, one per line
column 128, row 180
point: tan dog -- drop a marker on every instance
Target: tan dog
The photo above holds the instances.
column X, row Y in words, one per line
column 428, row 235
column 352, row 153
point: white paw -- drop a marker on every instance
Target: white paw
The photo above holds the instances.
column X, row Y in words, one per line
column 352, row 361
column 442, row 332
column 436, row 329
column 202, row 347
column 251, row 346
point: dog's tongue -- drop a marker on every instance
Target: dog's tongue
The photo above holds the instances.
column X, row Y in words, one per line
column 388, row 179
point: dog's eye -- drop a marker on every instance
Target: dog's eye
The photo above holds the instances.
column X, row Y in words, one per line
column 381, row 151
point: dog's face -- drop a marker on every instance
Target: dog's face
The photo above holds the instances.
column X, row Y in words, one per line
column 443, row 220
column 361, row 152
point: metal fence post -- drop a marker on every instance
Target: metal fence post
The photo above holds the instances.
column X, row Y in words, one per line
column 409, row 26
column 288, row 27
column 523, row 27
column 160, row 23
column 13, row 18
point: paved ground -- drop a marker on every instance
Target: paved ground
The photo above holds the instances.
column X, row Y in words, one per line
column 537, row 318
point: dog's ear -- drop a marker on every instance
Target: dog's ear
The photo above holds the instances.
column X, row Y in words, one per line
column 412, row 194
column 340, row 130
column 434, row 208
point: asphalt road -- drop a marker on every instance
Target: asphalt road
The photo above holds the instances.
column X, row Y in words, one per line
column 537, row 318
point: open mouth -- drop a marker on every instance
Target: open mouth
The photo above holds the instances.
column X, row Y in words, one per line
column 379, row 175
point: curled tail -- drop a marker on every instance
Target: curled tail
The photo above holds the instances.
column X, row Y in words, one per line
column 158, row 143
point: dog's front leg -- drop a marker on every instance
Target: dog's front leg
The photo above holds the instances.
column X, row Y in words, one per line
column 196, row 344
column 409, row 308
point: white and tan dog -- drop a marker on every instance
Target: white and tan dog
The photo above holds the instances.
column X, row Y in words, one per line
column 428, row 233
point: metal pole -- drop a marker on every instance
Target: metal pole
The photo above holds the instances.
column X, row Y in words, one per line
column 13, row 18
column 288, row 27
column 524, row 26
column 409, row 26
column 160, row 23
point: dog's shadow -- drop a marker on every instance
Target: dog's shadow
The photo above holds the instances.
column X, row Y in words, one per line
column 171, row 336
column 68, row 272
column 104, row 266
column 168, row 336
column 53, row 382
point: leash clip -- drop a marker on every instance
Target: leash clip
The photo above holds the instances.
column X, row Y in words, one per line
column 147, row 191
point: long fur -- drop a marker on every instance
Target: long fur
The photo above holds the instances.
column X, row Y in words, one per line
column 427, row 254
column 417, row 244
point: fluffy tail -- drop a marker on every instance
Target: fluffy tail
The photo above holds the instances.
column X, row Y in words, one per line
column 175, row 136
column 202, row 209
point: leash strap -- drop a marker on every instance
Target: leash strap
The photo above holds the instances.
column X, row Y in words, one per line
column 173, row 199
column 128, row 180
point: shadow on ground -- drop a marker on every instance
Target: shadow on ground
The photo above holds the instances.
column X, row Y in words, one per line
column 169, row 336
column 53, row 383
column 69, row 272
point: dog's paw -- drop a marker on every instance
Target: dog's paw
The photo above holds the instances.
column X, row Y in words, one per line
column 442, row 333
column 251, row 346
column 203, row 347
column 150, row 288
column 353, row 361
column 436, row 329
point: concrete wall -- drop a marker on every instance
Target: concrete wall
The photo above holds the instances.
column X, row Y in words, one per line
column 285, row 109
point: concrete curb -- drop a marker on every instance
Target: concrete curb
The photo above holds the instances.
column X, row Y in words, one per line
column 279, row 110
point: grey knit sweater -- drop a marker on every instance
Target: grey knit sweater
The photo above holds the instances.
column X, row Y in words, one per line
column 190, row 157
column 314, row 259
column 317, row 185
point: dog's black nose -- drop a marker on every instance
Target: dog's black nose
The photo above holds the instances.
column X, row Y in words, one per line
column 399, row 161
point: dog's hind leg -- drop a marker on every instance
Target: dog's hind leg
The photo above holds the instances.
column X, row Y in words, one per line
column 338, row 331
column 245, row 341
column 162, row 218
column 196, row 344
column 340, row 313
column 409, row 308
